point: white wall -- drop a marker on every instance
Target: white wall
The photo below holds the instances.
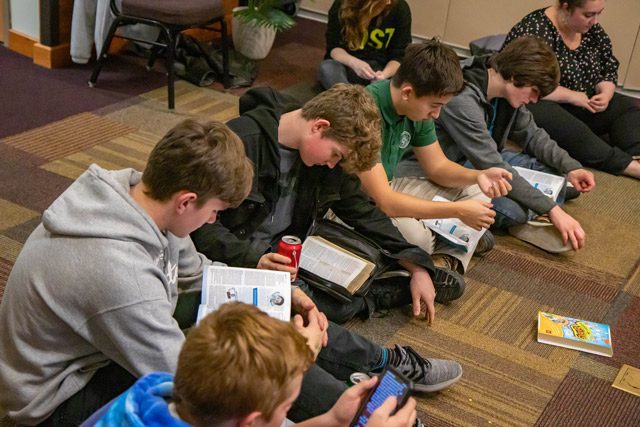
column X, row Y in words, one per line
column 25, row 17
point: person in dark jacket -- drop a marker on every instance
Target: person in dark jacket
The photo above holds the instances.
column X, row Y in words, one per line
column 296, row 154
column 366, row 40
column 476, row 124
column 297, row 180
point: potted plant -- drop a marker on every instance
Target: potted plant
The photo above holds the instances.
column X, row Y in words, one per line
column 255, row 26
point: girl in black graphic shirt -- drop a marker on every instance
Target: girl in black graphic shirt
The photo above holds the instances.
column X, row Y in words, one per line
column 366, row 40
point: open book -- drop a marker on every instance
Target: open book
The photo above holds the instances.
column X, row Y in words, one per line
column 454, row 231
column 268, row 290
column 550, row 185
column 333, row 263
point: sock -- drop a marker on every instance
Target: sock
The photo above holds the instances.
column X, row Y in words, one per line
column 382, row 362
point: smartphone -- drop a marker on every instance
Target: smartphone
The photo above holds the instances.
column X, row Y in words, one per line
column 390, row 383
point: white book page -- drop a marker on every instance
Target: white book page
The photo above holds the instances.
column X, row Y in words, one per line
column 270, row 291
column 550, row 185
column 322, row 259
column 455, row 231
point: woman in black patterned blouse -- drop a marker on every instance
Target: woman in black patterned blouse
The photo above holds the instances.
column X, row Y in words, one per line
column 597, row 126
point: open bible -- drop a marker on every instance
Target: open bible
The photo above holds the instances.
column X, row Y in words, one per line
column 268, row 290
column 334, row 263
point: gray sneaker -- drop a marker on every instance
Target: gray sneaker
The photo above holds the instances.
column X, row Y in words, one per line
column 428, row 375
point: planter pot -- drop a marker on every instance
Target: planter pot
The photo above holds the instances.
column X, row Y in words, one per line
column 252, row 41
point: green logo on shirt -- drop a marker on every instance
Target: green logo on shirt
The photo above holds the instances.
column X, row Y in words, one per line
column 405, row 139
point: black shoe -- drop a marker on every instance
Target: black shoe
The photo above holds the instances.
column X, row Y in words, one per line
column 391, row 290
column 448, row 283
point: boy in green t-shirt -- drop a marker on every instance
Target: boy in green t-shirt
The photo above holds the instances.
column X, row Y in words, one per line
column 428, row 77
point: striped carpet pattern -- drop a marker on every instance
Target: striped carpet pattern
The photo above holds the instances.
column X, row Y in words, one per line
column 509, row 378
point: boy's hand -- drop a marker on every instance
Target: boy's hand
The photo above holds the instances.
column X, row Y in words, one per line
column 494, row 182
column 275, row 261
column 306, row 308
column 475, row 214
column 405, row 417
column 569, row 228
column 313, row 332
column 422, row 290
column 342, row 413
column 347, row 405
column 582, row 180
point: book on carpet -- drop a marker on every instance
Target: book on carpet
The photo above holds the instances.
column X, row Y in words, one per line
column 454, row 231
column 268, row 290
column 550, row 185
column 628, row 379
column 334, row 263
column 577, row 334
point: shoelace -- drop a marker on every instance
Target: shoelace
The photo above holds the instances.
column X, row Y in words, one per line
column 419, row 366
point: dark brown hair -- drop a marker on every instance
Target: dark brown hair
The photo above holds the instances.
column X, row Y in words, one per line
column 206, row 158
column 431, row 68
column 528, row 61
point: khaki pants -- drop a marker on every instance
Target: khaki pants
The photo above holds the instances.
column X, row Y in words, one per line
column 418, row 234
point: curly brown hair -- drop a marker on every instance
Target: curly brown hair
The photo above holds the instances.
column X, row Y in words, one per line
column 354, row 121
column 206, row 158
column 355, row 17
column 238, row 360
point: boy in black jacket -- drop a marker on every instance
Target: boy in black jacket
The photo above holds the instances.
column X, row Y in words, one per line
column 296, row 152
column 297, row 179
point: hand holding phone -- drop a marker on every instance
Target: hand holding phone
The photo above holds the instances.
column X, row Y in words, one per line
column 391, row 384
column 403, row 417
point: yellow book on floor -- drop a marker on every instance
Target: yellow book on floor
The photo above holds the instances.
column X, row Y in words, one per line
column 577, row 334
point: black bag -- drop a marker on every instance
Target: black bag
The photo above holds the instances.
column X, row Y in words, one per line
column 356, row 243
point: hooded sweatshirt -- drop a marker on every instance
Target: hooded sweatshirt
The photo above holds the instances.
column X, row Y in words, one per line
column 146, row 403
column 463, row 132
column 96, row 282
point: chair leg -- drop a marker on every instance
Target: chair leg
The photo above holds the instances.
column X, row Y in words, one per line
column 226, row 81
column 103, row 53
column 172, row 36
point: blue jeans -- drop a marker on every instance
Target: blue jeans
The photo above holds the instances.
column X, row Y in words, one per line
column 510, row 212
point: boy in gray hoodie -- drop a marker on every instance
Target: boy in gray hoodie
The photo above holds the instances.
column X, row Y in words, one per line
column 88, row 305
column 476, row 124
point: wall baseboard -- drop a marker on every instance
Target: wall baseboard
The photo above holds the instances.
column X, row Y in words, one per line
column 51, row 56
column 21, row 43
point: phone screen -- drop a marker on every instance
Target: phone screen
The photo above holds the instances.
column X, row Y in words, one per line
column 390, row 383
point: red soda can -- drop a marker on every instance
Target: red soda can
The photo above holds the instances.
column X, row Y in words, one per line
column 291, row 246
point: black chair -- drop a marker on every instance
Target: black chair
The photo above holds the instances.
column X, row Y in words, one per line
column 171, row 17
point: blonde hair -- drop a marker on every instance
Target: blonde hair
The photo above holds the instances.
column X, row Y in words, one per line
column 355, row 17
column 354, row 122
column 238, row 360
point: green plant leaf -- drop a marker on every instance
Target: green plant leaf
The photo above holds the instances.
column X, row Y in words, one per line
column 265, row 13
